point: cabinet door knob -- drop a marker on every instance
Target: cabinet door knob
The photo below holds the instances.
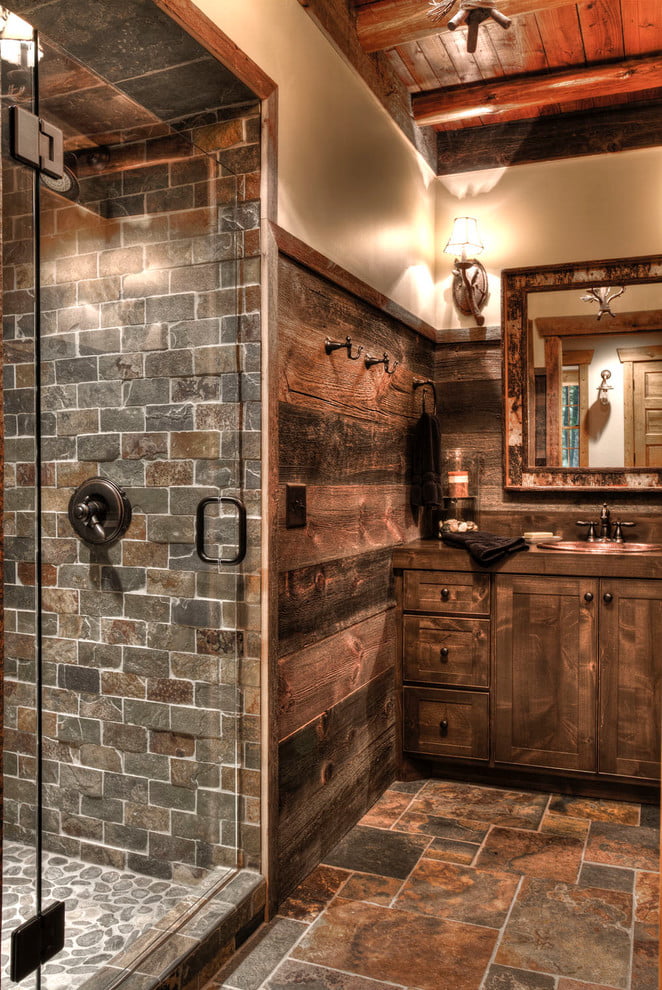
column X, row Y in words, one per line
column 588, row 597
column 443, row 653
column 443, row 727
column 607, row 598
column 445, row 594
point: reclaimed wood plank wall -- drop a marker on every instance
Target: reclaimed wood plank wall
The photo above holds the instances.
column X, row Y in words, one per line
column 344, row 432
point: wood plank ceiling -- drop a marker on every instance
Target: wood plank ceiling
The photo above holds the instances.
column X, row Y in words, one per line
column 571, row 69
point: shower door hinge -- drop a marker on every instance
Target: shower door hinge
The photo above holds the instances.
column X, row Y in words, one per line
column 36, row 941
column 35, row 142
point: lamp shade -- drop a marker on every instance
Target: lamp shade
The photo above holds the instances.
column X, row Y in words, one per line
column 465, row 239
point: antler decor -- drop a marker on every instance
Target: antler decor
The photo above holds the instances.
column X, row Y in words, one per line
column 603, row 296
column 471, row 12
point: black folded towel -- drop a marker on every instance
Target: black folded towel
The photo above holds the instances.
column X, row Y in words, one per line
column 484, row 547
column 426, row 463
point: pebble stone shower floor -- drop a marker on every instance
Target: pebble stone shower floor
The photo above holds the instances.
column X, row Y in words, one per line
column 106, row 909
column 451, row 886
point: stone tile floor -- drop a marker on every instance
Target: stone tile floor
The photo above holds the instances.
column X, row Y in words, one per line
column 452, row 886
column 106, row 909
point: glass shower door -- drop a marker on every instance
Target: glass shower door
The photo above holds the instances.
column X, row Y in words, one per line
column 22, row 614
column 123, row 381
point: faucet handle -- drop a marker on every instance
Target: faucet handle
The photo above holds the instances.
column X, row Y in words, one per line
column 618, row 530
column 590, row 536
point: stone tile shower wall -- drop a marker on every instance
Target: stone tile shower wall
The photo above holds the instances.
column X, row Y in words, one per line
column 151, row 377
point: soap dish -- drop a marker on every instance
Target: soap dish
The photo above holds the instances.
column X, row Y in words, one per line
column 541, row 537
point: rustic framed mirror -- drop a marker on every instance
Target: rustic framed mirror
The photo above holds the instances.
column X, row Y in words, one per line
column 583, row 375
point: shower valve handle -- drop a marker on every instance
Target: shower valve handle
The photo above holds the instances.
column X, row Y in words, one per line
column 91, row 512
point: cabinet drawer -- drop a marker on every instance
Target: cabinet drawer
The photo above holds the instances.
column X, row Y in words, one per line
column 447, row 592
column 438, row 722
column 444, row 650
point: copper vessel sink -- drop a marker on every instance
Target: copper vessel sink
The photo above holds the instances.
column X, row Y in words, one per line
column 582, row 546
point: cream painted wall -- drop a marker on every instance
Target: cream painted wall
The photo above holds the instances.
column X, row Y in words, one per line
column 579, row 209
column 350, row 184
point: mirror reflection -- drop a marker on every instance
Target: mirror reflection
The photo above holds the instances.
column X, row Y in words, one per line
column 595, row 376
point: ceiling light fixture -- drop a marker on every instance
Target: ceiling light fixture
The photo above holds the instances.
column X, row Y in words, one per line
column 472, row 13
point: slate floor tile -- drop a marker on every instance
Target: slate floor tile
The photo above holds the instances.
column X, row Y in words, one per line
column 372, row 850
column 442, row 828
column 312, row 895
column 647, row 898
column 581, row 933
column 597, row 809
column 503, row 978
column 622, row 845
column 387, row 810
column 368, row 887
column 557, row 857
column 645, row 958
column 495, row 805
column 559, row 824
column 458, row 893
column 413, row 950
column 452, row 852
column 607, row 877
column 307, row 977
column 250, row 968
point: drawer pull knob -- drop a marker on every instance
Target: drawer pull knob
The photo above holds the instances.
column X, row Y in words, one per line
column 443, row 653
column 443, row 727
column 445, row 594
column 607, row 598
column 588, row 597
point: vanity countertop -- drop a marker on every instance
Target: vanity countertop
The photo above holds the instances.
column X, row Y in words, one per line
column 432, row 554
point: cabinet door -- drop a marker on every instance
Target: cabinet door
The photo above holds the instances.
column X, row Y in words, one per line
column 630, row 665
column 546, row 684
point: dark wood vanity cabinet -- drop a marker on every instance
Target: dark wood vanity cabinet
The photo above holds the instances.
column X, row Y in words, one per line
column 546, row 676
column 630, row 664
column 546, row 672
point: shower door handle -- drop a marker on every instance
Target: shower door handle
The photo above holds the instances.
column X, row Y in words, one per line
column 200, row 529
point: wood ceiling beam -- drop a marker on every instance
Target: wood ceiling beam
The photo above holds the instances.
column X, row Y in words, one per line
column 487, row 101
column 389, row 23
column 539, row 139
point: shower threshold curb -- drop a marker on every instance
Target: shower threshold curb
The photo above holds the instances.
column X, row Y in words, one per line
column 187, row 956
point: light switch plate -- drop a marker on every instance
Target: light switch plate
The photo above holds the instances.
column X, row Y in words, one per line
column 295, row 506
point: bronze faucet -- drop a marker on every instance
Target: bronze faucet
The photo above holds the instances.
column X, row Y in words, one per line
column 606, row 534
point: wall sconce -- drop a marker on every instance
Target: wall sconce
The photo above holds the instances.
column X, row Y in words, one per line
column 469, row 276
column 603, row 388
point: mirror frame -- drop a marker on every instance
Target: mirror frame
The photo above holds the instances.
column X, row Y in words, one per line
column 516, row 283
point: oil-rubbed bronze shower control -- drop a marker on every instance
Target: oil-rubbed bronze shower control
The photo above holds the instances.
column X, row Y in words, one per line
column 99, row 511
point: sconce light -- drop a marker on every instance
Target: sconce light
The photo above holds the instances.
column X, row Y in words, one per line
column 469, row 276
column 603, row 388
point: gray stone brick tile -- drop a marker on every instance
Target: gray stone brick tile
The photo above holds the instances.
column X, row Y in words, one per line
column 125, row 837
column 150, row 714
column 121, row 367
column 125, row 313
column 143, row 393
column 148, row 765
column 170, row 307
column 165, row 795
column 159, row 364
column 147, row 662
column 98, row 447
column 130, row 420
column 99, row 395
column 76, row 678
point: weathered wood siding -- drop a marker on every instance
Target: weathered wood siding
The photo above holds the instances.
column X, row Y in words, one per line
column 345, row 432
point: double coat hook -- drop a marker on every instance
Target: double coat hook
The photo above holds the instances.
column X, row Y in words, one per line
column 385, row 360
column 334, row 345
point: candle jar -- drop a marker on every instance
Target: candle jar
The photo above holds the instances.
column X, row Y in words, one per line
column 460, row 474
